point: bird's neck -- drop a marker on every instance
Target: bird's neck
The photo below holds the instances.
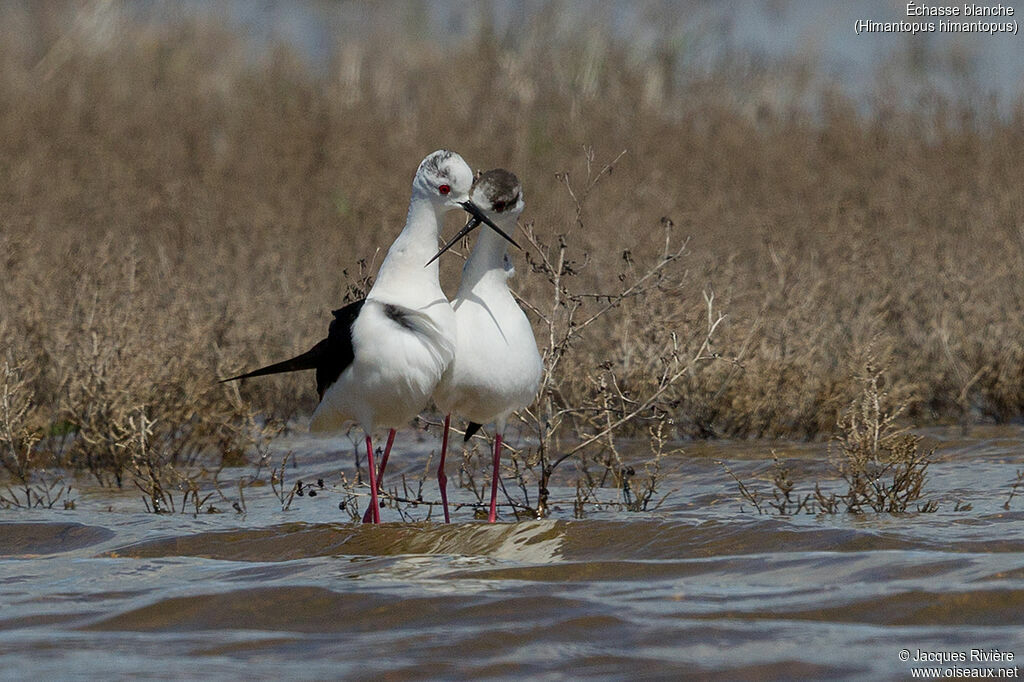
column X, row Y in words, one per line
column 487, row 261
column 402, row 275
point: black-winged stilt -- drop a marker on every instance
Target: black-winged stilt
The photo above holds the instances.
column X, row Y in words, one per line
column 384, row 355
column 497, row 368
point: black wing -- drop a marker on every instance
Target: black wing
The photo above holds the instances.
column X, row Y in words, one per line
column 337, row 350
column 329, row 357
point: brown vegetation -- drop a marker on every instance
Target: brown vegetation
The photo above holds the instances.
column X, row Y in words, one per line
column 173, row 209
column 882, row 466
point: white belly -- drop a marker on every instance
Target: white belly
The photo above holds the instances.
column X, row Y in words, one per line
column 393, row 372
column 497, row 368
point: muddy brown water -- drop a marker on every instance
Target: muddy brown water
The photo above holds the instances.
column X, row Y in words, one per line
column 703, row 587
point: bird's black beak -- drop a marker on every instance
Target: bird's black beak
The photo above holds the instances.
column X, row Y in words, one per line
column 476, row 217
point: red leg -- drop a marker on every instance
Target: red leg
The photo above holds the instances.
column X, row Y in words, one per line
column 493, row 516
column 380, row 474
column 442, row 480
column 374, row 509
column 384, row 459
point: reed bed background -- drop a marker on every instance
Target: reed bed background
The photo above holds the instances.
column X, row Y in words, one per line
column 174, row 208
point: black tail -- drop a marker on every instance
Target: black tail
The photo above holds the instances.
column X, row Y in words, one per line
column 311, row 359
column 471, row 431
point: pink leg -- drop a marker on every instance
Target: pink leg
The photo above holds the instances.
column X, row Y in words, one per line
column 442, row 480
column 374, row 509
column 493, row 516
column 380, row 474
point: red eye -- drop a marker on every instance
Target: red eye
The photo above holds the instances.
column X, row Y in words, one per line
column 444, row 189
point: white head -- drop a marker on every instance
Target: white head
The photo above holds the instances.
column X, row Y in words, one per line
column 444, row 178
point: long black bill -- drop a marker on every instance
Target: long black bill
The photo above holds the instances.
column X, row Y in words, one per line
column 477, row 218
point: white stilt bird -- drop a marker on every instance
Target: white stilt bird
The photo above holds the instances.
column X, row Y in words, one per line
column 497, row 368
column 384, row 355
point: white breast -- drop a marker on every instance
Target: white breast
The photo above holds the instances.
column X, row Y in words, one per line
column 497, row 368
column 395, row 368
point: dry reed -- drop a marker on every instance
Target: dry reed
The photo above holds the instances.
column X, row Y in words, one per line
column 173, row 209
